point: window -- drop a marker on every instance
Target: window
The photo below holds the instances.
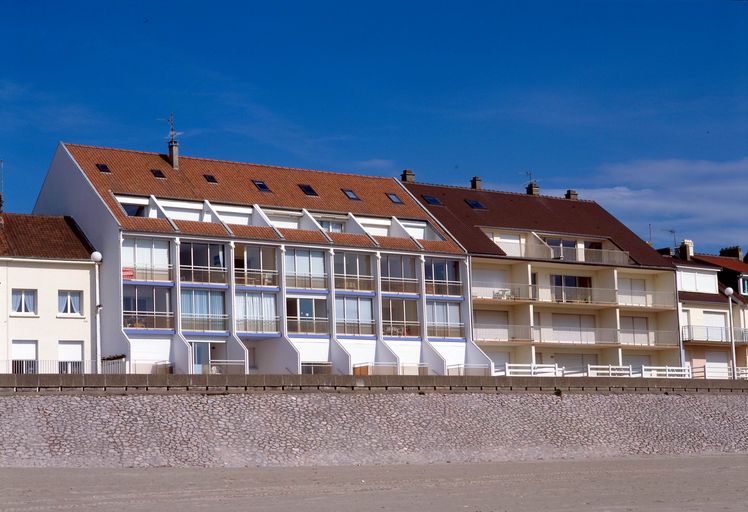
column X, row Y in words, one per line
column 475, row 204
column 307, row 315
column 399, row 274
column 400, row 317
column 210, row 178
column 147, row 307
column 202, row 263
column 354, row 316
column 134, row 210
column 255, row 265
column 146, row 259
column 431, row 200
column 394, row 198
column 744, row 286
column 24, row 302
column 23, row 355
column 562, row 249
column 571, row 288
column 353, row 271
column 350, row 194
column 158, row 173
column 442, row 277
column 69, row 303
column 332, row 226
column 261, row 186
column 203, row 310
column 256, row 312
column 305, row 269
column 444, row 319
column 70, row 357
column 103, row 168
column 308, row 190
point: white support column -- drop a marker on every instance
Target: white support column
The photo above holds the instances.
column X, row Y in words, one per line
column 282, row 295
column 178, row 304
column 422, row 300
column 231, row 308
column 378, row 295
column 331, row 312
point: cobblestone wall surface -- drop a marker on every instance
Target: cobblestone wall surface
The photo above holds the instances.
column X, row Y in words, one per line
column 367, row 428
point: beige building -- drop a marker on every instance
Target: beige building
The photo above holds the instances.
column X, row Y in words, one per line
column 47, row 288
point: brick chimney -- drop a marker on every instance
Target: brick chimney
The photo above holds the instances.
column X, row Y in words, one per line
column 533, row 189
column 685, row 251
column 408, row 176
column 475, row 183
column 174, row 154
column 732, row 252
column 571, row 194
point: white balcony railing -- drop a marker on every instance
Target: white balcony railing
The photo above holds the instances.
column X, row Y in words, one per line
column 705, row 333
column 148, row 320
column 220, row 367
column 667, row 372
column 148, row 273
column 192, row 322
column 442, row 330
column 504, row 292
column 401, row 328
column 46, row 366
column 470, row 370
column 306, row 281
column 434, row 287
column 648, row 338
column 375, row 369
column 531, row 370
column 502, row 333
column 253, row 277
column 584, row 336
column 609, row 370
column 199, row 274
column 308, row 325
column 355, row 328
column 258, row 325
column 536, row 249
column 646, row 299
column 399, row 285
column 357, row 283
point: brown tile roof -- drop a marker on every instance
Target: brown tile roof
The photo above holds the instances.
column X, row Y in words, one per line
column 391, row 242
column 261, row 232
column 440, row 246
column 351, row 239
column 733, row 264
column 191, row 227
column 147, row 225
column 131, row 174
column 303, row 235
column 42, row 236
column 527, row 212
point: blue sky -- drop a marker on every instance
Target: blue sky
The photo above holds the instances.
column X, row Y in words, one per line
column 642, row 106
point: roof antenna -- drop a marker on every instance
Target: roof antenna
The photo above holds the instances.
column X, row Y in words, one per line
column 672, row 232
column 173, row 143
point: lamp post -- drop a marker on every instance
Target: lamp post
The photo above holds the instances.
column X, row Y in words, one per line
column 96, row 257
column 728, row 293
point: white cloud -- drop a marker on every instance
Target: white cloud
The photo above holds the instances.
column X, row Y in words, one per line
column 380, row 165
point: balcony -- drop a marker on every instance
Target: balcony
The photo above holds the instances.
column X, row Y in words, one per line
column 308, row 325
column 399, row 285
column 208, row 275
column 504, row 292
column 354, row 283
column 307, row 281
column 148, row 273
column 575, row 336
column 251, row 277
column 469, row 370
column 503, row 333
column 648, row 338
column 578, row 295
column 453, row 288
column 390, row 369
column 645, row 299
column 220, row 367
column 401, row 328
column 705, row 333
column 534, row 249
column 148, row 320
column 270, row 325
column 216, row 323
column 441, row 330
column 44, row 366
column 355, row 328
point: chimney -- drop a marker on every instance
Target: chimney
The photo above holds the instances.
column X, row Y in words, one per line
column 475, row 183
column 732, row 252
column 685, row 251
column 174, row 154
column 533, row 189
column 571, row 194
column 408, row 176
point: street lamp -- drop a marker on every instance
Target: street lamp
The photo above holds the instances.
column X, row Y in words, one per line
column 96, row 257
column 729, row 292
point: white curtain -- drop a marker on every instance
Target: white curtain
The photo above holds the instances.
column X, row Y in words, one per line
column 365, row 310
column 62, row 302
column 75, row 302
column 269, row 309
column 143, row 252
column 128, row 252
column 161, row 253
column 254, row 305
column 240, row 306
column 216, row 303
column 187, row 306
column 30, row 298
column 17, row 301
column 318, row 263
column 453, row 312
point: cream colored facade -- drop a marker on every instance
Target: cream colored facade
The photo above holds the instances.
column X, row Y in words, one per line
column 45, row 333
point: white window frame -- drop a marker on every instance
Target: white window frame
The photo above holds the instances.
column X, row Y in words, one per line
column 68, row 308
column 23, row 305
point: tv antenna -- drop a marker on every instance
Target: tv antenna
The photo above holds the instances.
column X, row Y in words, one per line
column 672, row 232
column 173, row 134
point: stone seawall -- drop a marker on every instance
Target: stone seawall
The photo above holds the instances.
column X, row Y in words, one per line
column 291, row 429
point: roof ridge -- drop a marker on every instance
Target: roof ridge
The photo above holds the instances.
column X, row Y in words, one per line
column 496, row 191
column 257, row 164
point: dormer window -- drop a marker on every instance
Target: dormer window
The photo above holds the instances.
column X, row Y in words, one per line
column 308, row 190
column 332, row 226
column 744, row 286
column 134, row 210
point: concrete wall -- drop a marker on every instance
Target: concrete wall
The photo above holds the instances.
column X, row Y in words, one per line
column 290, row 429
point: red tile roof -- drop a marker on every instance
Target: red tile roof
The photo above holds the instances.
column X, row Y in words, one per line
column 734, row 264
column 527, row 212
column 303, row 235
column 261, row 232
column 352, row 240
column 191, row 227
column 42, row 236
column 391, row 242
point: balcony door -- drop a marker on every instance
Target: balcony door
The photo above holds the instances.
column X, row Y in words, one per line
column 715, row 326
column 634, row 330
column 632, row 291
column 573, row 328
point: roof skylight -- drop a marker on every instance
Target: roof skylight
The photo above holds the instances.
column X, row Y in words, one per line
column 431, row 199
column 475, row 204
column 350, row 194
column 158, row 173
column 210, row 178
column 308, row 190
column 103, row 168
column 394, row 198
column 261, row 186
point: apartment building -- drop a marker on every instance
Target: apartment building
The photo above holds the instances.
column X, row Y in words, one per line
column 711, row 323
column 558, row 285
column 47, row 296
column 217, row 267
